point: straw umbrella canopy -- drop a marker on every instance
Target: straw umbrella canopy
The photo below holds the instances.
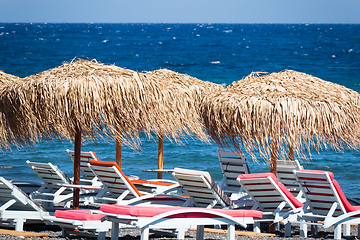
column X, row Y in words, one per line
column 6, row 78
column 89, row 98
column 5, row 138
column 189, row 92
column 283, row 111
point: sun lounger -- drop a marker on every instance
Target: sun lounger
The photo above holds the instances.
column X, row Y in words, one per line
column 284, row 172
column 75, row 221
column 16, row 208
column 151, row 186
column 203, row 190
column 325, row 201
column 232, row 165
column 85, row 171
column 272, row 198
column 117, row 188
column 146, row 218
column 57, row 187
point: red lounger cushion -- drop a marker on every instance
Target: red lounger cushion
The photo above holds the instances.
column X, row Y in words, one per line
column 81, row 215
column 146, row 211
column 288, row 194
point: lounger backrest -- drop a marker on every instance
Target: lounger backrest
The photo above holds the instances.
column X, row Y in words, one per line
column 201, row 187
column 111, row 176
column 232, row 165
column 284, row 172
column 85, row 171
column 268, row 192
column 321, row 190
column 22, row 202
column 50, row 175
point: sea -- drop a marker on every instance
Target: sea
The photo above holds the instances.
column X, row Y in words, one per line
column 220, row 53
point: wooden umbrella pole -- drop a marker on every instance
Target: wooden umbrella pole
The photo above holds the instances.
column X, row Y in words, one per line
column 77, row 152
column 160, row 155
column 291, row 153
column 273, row 156
column 118, row 150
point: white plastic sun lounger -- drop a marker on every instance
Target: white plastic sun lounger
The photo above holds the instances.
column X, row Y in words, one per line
column 284, row 172
column 232, row 165
column 88, row 177
column 203, row 190
column 76, row 221
column 181, row 218
column 16, row 208
column 325, row 201
column 272, row 198
column 57, row 187
column 117, row 188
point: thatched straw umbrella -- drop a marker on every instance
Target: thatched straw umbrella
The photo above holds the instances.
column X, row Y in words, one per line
column 189, row 92
column 286, row 110
column 93, row 99
column 5, row 138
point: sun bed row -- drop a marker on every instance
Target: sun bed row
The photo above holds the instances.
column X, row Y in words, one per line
column 267, row 194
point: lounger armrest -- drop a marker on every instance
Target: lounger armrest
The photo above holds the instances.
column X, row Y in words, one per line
column 77, row 186
column 163, row 180
column 292, row 215
column 329, row 220
column 149, row 221
column 134, row 201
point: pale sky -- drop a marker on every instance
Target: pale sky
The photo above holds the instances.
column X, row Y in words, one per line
column 180, row 11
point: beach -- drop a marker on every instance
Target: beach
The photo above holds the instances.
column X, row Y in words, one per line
column 128, row 234
column 218, row 53
column 222, row 53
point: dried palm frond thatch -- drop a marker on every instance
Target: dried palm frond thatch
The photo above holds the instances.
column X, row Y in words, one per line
column 184, row 93
column 287, row 109
column 5, row 137
column 6, row 78
column 95, row 98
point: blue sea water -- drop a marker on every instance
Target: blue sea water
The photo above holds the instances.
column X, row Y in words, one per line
column 221, row 53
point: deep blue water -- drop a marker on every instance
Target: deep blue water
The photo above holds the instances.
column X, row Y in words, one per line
column 220, row 53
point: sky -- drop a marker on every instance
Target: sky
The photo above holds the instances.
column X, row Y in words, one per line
column 180, row 11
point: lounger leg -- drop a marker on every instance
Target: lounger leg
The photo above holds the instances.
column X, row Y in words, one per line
column 144, row 233
column 277, row 226
column 256, row 227
column 358, row 235
column 200, row 232
column 231, row 232
column 288, row 229
column 303, row 229
column 180, row 233
column 19, row 224
column 101, row 235
column 64, row 233
column 314, row 230
column 337, row 232
column 114, row 231
column 346, row 231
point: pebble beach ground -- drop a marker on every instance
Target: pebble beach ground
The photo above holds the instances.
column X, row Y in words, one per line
column 125, row 234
